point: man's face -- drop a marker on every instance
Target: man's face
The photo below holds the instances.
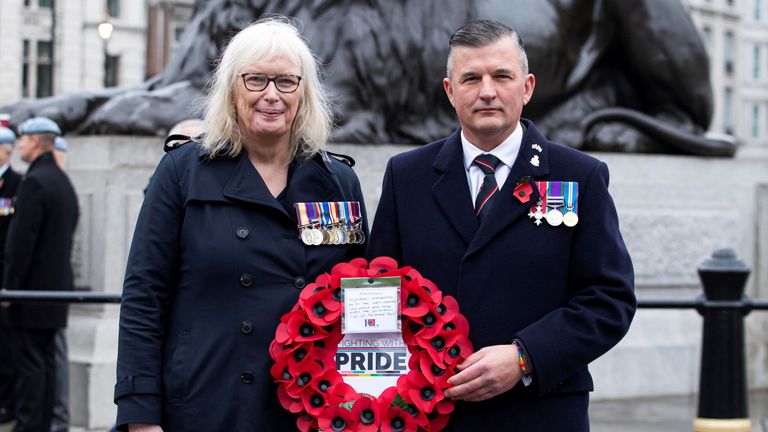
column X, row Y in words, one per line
column 488, row 89
column 27, row 145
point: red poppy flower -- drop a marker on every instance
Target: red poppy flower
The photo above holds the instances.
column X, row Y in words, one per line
column 314, row 402
column 445, row 407
column 395, row 419
column 381, row 265
column 367, row 413
column 306, row 422
column 416, row 298
column 341, row 393
column 321, row 304
column 358, row 267
column 435, row 373
column 450, row 344
column 300, row 329
column 299, row 386
column 523, row 190
column 438, row 421
column 291, row 404
column 337, row 419
column 422, row 393
column 328, row 379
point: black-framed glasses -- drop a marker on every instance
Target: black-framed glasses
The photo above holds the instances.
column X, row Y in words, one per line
column 283, row 83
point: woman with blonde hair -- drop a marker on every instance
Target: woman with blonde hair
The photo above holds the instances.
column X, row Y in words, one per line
column 233, row 226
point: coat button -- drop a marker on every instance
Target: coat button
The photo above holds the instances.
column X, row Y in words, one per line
column 242, row 232
column 300, row 282
column 246, row 377
column 246, row 280
column 246, row 327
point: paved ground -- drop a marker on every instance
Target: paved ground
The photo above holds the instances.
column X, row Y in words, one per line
column 672, row 414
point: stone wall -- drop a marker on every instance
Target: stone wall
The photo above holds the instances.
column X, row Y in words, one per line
column 674, row 212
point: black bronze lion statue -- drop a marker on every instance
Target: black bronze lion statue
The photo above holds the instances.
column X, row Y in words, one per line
column 612, row 75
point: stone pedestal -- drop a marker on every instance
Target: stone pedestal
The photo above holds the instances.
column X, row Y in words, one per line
column 674, row 212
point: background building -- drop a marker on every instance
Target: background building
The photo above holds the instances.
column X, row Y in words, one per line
column 735, row 33
column 50, row 47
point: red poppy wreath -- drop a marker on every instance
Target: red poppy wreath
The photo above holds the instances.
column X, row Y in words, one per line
column 306, row 342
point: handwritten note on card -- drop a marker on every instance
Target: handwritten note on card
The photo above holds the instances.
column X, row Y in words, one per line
column 371, row 310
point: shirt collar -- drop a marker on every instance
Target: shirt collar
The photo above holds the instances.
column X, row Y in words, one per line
column 506, row 151
column 4, row 168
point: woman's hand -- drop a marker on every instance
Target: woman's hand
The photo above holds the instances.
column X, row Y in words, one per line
column 141, row 427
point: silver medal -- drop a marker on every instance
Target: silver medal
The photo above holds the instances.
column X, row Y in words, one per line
column 570, row 219
column 306, row 236
column 554, row 217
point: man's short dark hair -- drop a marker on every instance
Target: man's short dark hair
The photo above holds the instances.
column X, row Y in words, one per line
column 481, row 33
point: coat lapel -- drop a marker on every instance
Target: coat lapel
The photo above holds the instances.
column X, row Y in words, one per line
column 451, row 190
column 314, row 181
column 311, row 181
column 247, row 185
column 507, row 209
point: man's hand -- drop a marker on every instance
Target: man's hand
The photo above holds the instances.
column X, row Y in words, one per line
column 4, row 304
column 487, row 373
column 138, row 427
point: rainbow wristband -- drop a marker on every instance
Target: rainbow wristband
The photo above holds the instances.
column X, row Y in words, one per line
column 525, row 367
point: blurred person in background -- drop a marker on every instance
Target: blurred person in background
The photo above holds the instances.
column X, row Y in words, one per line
column 9, row 184
column 38, row 258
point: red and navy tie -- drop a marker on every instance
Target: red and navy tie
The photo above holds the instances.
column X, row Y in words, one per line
column 488, row 164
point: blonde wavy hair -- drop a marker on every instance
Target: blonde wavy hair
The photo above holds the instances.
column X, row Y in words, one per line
column 261, row 41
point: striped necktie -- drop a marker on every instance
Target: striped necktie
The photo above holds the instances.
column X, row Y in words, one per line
column 488, row 164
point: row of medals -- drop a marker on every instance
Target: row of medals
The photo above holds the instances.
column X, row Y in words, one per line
column 554, row 217
column 6, row 205
column 336, row 235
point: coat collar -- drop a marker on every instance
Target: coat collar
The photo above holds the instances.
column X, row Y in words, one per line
column 451, row 191
column 45, row 159
column 311, row 180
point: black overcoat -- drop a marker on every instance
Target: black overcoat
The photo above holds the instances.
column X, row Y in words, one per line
column 215, row 262
column 567, row 293
column 39, row 246
column 9, row 185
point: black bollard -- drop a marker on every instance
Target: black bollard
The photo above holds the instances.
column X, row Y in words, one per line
column 722, row 384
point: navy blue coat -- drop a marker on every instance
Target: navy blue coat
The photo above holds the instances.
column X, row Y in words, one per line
column 567, row 293
column 215, row 262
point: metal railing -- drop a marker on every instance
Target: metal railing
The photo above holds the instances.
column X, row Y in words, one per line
column 723, row 306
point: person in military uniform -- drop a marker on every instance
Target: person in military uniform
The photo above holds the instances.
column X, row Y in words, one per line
column 523, row 232
column 219, row 253
column 38, row 257
column 9, row 184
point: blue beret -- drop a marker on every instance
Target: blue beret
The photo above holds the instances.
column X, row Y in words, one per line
column 60, row 144
column 7, row 136
column 39, row 125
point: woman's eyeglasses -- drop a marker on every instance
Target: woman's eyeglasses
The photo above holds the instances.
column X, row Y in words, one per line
column 283, row 83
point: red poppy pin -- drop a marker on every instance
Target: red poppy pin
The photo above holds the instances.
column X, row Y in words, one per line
column 523, row 190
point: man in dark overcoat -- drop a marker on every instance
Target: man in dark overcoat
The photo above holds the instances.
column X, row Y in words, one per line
column 523, row 232
column 9, row 184
column 39, row 249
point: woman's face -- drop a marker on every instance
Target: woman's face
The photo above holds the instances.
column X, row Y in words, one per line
column 269, row 113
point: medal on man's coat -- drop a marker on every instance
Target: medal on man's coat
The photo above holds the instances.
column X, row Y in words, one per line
column 557, row 204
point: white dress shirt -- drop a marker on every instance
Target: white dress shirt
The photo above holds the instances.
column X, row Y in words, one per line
column 506, row 152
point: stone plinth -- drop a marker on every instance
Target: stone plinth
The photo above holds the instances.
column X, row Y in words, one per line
column 674, row 212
